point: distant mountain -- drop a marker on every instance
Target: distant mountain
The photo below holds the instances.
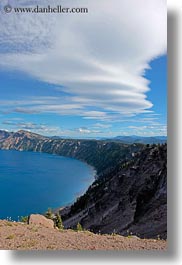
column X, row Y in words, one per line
column 140, row 139
column 56, row 137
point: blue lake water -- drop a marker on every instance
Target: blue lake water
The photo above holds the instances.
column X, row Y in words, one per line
column 31, row 182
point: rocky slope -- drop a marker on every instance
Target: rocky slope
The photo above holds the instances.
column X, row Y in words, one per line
column 19, row 236
column 130, row 199
column 4, row 135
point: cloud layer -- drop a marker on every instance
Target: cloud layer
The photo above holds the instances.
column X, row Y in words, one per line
column 98, row 58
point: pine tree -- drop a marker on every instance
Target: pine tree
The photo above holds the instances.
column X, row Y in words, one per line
column 58, row 221
column 49, row 214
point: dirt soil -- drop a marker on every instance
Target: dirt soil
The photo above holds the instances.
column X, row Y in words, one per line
column 19, row 236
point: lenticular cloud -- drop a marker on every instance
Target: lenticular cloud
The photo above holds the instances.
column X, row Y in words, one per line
column 98, row 58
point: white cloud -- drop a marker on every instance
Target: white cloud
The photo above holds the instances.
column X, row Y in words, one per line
column 45, row 129
column 150, row 130
column 101, row 126
column 85, row 130
column 20, row 124
column 98, row 58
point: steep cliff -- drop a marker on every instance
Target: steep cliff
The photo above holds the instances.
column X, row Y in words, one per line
column 130, row 199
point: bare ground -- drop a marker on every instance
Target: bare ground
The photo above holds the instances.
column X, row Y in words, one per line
column 19, row 236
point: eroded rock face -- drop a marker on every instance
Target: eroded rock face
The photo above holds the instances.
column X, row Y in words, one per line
column 41, row 220
column 130, row 199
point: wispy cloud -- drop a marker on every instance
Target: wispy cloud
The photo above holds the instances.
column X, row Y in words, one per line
column 44, row 129
column 150, row 130
column 86, row 130
column 101, row 126
column 98, row 58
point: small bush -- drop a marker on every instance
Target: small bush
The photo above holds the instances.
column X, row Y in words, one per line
column 24, row 219
column 79, row 227
column 49, row 214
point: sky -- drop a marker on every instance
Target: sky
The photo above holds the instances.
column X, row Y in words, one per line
column 100, row 74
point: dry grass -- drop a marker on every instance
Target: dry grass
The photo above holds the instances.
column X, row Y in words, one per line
column 21, row 236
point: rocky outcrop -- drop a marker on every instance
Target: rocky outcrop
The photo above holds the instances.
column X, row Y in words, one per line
column 132, row 199
column 37, row 219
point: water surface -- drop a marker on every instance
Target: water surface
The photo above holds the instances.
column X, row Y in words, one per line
column 31, row 182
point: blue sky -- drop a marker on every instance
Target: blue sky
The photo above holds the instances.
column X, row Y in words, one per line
column 94, row 77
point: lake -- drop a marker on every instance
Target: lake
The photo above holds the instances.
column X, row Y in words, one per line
column 31, row 182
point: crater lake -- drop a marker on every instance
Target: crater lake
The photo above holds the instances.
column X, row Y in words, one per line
column 32, row 182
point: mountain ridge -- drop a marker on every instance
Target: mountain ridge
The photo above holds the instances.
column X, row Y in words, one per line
column 128, row 139
column 102, row 155
column 140, row 139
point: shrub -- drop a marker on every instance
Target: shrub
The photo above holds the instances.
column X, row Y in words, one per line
column 49, row 214
column 79, row 227
column 24, row 219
